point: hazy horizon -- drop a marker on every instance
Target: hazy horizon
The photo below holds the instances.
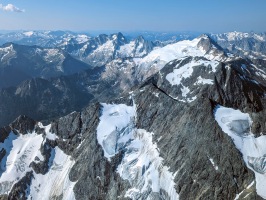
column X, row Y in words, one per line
column 96, row 32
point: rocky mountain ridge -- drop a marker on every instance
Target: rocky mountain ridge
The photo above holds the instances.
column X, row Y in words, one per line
column 191, row 129
column 58, row 96
column 141, row 128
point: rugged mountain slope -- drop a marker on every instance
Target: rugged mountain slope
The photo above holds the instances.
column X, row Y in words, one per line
column 20, row 63
column 136, row 69
column 168, row 139
column 69, row 93
column 47, row 99
column 193, row 130
column 146, row 55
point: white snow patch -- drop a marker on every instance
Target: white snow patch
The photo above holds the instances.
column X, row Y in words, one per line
column 126, row 50
column 106, row 49
column 231, row 36
column 82, row 38
column 213, row 164
column 170, row 52
column 203, row 81
column 141, row 165
column 21, row 151
column 185, row 90
column 191, row 99
column 49, row 134
column 249, row 186
column 186, row 71
column 28, row 33
column 237, row 125
column 56, row 181
column 156, row 94
column 113, row 120
column 114, row 37
column 132, row 49
column 259, row 37
column 158, row 57
column 7, row 52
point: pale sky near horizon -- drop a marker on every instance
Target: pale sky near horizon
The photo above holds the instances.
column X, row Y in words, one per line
column 137, row 15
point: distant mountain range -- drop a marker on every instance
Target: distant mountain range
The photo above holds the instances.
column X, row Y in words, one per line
column 21, row 62
column 132, row 117
column 251, row 45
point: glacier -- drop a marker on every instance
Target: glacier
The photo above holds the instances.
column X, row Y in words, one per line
column 21, row 151
column 141, row 165
column 237, row 125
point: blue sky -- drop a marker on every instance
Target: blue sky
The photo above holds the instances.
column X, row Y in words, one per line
column 134, row 15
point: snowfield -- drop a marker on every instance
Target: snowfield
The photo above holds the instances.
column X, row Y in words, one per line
column 141, row 166
column 21, row 151
column 186, row 71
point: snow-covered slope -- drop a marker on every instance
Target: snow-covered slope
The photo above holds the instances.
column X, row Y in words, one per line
column 189, row 75
column 135, row 67
column 141, row 166
column 23, row 154
column 200, row 47
column 136, row 48
column 238, row 126
column 102, row 49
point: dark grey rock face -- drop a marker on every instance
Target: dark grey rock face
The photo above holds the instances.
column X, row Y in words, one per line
column 189, row 138
column 186, row 134
column 4, row 132
column 23, row 124
column 96, row 177
column 19, row 190
column 210, row 46
column 42, row 167
column 40, row 99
